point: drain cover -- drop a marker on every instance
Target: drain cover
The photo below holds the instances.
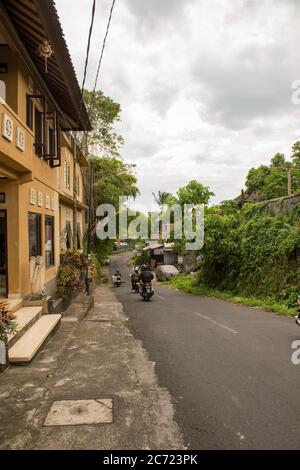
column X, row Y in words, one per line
column 74, row 412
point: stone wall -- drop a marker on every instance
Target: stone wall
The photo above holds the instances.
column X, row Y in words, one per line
column 283, row 204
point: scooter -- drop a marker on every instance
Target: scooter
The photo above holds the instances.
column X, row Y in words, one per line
column 147, row 291
column 297, row 318
column 136, row 287
column 117, row 281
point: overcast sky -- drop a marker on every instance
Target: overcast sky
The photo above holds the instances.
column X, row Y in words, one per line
column 204, row 85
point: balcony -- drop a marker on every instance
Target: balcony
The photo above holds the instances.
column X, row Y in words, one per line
column 16, row 144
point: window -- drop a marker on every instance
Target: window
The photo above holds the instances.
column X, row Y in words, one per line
column 38, row 131
column 79, row 236
column 34, row 230
column 69, row 239
column 29, row 112
column 3, row 67
column 51, row 142
column 2, row 90
column 67, row 175
column 78, row 185
column 49, row 241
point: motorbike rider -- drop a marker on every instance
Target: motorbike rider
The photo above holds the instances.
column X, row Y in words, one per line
column 134, row 277
column 145, row 276
column 118, row 274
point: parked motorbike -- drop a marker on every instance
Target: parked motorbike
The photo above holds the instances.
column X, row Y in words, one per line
column 297, row 318
column 147, row 290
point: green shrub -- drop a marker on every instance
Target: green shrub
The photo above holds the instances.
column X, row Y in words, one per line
column 71, row 272
column 7, row 323
column 252, row 252
column 74, row 258
column 68, row 280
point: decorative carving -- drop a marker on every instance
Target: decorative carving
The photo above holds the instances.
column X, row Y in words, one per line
column 32, row 196
column 40, row 199
column 20, row 139
column 45, row 50
column 7, row 127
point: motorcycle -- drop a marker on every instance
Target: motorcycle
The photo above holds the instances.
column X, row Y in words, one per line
column 297, row 318
column 136, row 286
column 117, row 281
column 147, row 291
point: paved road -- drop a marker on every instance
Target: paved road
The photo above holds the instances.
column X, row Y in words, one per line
column 228, row 368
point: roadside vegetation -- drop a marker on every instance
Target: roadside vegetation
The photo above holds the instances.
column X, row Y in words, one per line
column 251, row 252
column 112, row 176
column 250, row 255
column 186, row 284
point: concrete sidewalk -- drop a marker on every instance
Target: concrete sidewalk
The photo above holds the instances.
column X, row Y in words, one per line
column 97, row 363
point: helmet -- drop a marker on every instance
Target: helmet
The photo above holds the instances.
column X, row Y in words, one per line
column 136, row 269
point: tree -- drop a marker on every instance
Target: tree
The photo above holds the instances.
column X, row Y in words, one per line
column 113, row 178
column 278, row 160
column 296, row 154
column 255, row 179
column 104, row 113
column 275, row 185
column 277, row 179
column 194, row 193
column 162, row 197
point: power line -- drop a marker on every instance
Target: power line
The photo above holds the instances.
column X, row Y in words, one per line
column 87, row 57
column 78, row 121
column 102, row 52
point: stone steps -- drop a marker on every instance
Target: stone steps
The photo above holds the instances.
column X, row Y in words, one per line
column 25, row 317
column 14, row 304
column 29, row 344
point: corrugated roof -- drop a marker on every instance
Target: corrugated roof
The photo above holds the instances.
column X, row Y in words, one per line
column 35, row 21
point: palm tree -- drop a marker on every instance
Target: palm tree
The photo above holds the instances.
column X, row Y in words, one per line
column 162, row 197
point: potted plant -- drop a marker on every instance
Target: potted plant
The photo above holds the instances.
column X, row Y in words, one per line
column 7, row 326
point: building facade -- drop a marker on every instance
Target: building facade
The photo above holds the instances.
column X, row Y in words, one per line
column 40, row 107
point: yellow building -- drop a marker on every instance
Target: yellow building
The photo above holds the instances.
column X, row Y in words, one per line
column 40, row 106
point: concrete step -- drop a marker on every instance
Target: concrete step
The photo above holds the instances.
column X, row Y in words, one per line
column 27, row 346
column 25, row 318
column 14, row 304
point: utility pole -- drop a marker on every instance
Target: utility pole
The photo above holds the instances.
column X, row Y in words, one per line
column 289, row 175
column 75, row 194
column 90, row 210
column 90, row 224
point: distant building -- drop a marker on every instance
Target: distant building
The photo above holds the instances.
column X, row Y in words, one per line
column 246, row 197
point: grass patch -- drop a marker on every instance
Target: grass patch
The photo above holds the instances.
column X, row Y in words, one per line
column 184, row 283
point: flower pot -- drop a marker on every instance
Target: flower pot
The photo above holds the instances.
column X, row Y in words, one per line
column 3, row 356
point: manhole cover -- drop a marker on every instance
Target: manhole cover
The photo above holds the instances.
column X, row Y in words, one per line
column 74, row 412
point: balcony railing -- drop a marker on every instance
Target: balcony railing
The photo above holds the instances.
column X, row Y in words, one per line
column 16, row 141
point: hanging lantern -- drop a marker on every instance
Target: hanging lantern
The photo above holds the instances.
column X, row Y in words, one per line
column 45, row 50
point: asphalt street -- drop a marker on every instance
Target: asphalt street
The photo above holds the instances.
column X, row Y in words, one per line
column 227, row 367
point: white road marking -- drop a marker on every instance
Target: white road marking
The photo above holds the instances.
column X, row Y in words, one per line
column 216, row 323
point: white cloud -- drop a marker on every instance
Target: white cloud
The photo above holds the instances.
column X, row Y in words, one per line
column 205, row 87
